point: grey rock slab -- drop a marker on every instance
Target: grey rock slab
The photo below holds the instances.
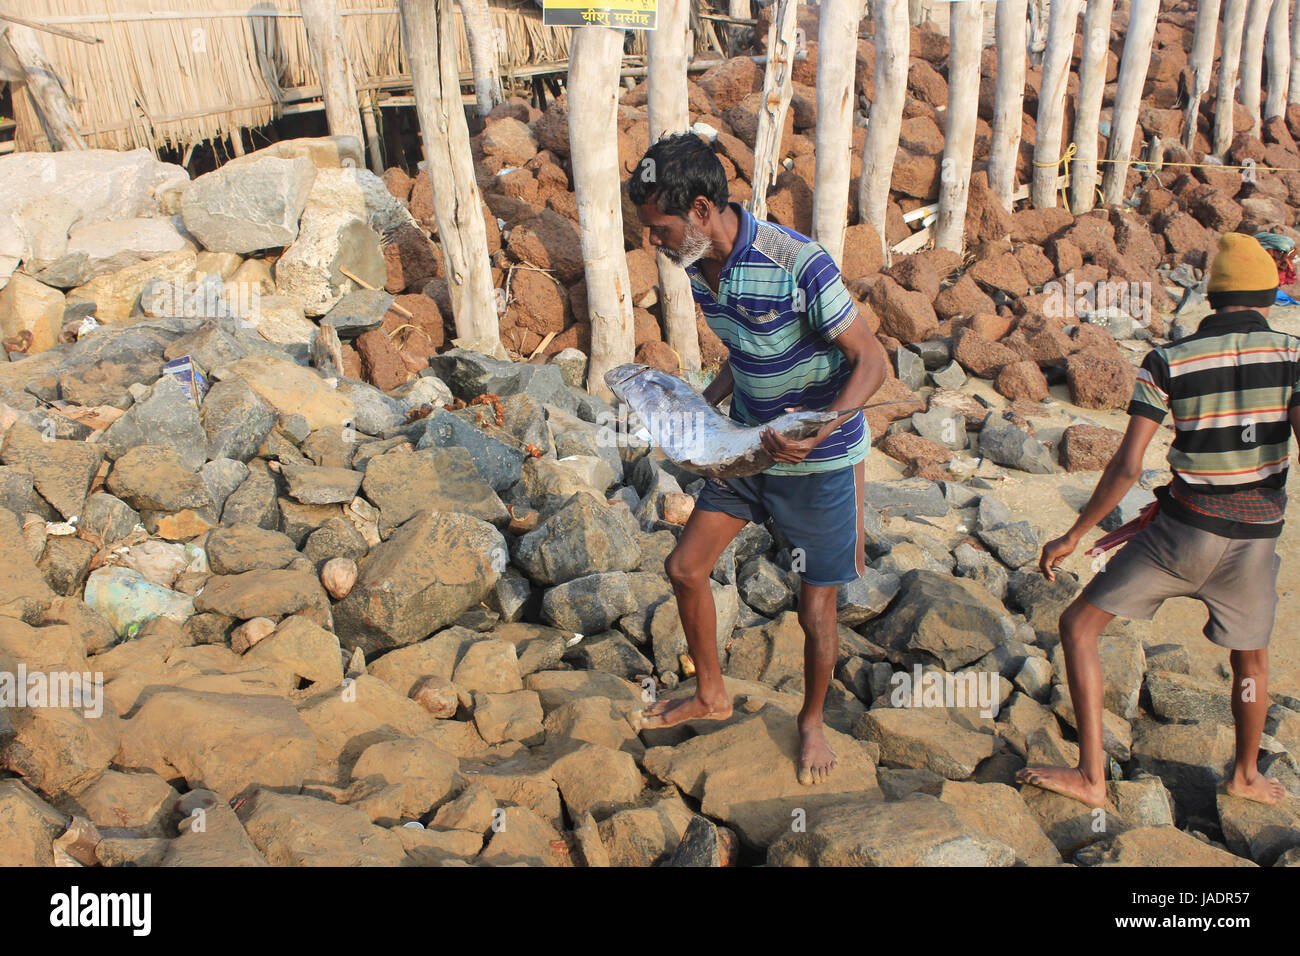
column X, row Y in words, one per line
column 248, row 206
column 1010, row 446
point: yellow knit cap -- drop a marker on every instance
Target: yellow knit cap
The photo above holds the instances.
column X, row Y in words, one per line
column 1242, row 273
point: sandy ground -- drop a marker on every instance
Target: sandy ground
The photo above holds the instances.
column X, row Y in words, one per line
column 1050, row 503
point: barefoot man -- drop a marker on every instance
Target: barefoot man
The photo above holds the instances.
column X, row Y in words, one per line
column 776, row 299
column 1233, row 390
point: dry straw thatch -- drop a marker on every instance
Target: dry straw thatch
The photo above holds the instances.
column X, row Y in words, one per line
column 170, row 75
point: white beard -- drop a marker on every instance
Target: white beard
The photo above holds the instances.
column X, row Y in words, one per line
column 692, row 249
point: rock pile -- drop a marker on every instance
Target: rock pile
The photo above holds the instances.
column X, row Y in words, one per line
column 360, row 597
column 377, row 637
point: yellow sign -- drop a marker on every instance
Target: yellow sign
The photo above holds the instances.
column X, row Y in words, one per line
column 623, row 14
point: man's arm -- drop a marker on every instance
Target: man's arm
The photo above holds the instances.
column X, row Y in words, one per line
column 721, row 385
column 1119, row 475
column 867, row 358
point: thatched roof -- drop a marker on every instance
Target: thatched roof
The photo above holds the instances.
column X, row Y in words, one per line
column 170, row 75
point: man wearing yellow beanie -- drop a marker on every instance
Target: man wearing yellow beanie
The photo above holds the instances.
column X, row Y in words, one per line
column 1233, row 389
column 1243, row 274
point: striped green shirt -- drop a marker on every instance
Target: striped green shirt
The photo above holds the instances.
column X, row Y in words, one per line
column 781, row 302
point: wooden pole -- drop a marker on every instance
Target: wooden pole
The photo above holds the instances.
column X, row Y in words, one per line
column 484, row 54
column 667, row 108
column 399, row 309
column 1234, row 20
column 458, row 208
column 1202, row 64
column 324, row 26
column 1128, row 97
column 1051, row 101
column 1293, row 93
column 739, row 10
column 893, row 40
column 371, row 124
column 594, row 59
column 776, row 101
column 1037, row 30
column 1278, row 53
column 1009, row 99
column 53, row 108
column 965, row 35
column 1087, row 112
column 837, row 49
column 1252, row 61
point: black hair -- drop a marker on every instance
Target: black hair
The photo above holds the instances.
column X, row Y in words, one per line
column 676, row 169
column 1258, row 298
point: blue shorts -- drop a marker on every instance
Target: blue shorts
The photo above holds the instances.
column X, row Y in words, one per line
column 820, row 513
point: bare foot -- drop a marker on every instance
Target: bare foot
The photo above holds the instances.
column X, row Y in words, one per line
column 1067, row 781
column 816, row 759
column 1258, row 787
column 670, row 713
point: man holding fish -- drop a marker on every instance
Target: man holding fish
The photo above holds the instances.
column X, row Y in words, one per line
column 777, row 301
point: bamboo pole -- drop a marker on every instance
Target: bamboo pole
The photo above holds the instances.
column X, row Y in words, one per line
column 1252, row 61
column 53, row 108
column 484, row 55
column 320, row 18
column 965, row 35
column 893, row 41
column 668, row 112
column 1051, row 101
column 47, row 28
column 1234, row 20
column 1128, row 97
column 776, row 101
column 594, row 59
column 1087, row 111
column 1277, row 51
column 1202, row 64
column 1009, row 98
column 837, row 48
column 457, row 205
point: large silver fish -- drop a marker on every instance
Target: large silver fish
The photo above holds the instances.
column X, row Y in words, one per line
column 696, row 435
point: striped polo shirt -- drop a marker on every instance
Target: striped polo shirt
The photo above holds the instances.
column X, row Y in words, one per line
column 780, row 304
column 1229, row 388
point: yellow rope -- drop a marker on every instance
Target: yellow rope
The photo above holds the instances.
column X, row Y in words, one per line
column 1065, row 180
column 1069, row 154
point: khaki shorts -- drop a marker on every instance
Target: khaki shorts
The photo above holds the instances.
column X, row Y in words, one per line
column 1235, row 578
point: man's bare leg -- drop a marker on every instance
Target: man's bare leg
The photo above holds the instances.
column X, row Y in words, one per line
column 1249, row 711
column 1081, row 625
column 817, row 617
column 705, row 537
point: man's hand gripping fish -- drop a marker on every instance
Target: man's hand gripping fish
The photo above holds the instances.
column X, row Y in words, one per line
column 694, row 434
